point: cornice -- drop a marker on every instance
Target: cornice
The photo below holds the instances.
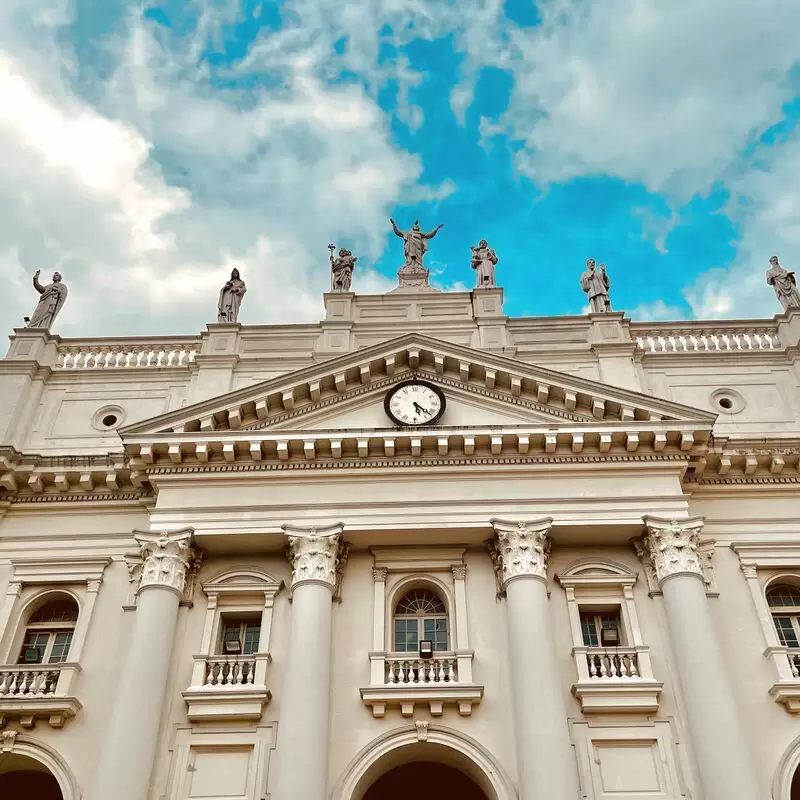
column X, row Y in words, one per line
column 444, row 361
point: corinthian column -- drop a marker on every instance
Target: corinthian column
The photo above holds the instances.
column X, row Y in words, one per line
column 723, row 757
column 301, row 757
column 125, row 760
column 545, row 761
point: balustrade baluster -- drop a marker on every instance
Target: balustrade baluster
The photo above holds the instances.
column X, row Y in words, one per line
column 793, row 666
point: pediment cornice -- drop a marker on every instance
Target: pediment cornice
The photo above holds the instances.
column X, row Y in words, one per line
column 563, row 396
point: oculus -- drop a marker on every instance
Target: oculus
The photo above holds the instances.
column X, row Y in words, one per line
column 414, row 403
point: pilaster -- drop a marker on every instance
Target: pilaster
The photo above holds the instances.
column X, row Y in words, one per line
column 611, row 341
column 216, row 361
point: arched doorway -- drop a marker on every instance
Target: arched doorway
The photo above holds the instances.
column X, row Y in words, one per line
column 407, row 761
column 424, row 779
column 795, row 790
column 22, row 776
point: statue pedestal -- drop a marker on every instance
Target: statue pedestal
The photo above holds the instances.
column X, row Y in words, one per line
column 410, row 279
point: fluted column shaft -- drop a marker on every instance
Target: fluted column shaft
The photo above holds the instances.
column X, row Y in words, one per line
column 125, row 760
column 720, row 744
column 301, row 757
column 545, row 759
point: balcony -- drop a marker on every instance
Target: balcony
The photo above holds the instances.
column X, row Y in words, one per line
column 786, row 689
column 405, row 680
column 38, row 691
column 615, row 680
column 232, row 687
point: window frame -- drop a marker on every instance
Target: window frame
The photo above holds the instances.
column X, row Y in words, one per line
column 243, row 592
column 790, row 612
column 52, row 629
column 421, row 618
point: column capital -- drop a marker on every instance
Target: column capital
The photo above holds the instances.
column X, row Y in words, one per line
column 521, row 548
column 314, row 553
column 379, row 574
column 167, row 557
column 672, row 544
column 459, row 572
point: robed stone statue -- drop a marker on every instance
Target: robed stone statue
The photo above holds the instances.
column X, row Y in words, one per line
column 414, row 244
column 596, row 285
column 784, row 283
column 230, row 298
column 342, row 269
column 50, row 303
column 484, row 260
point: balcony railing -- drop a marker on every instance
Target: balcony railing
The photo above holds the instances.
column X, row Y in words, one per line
column 441, row 669
column 611, row 664
column 405, row 679
column 786, row 689
column 30, row 691
column 128, row 354
column 228, row 687
column 704, row 339
column 615, row 679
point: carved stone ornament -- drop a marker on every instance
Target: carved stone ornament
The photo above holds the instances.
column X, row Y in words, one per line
column 8, row 740
column 314, row 553
column 672, row 546
column 422, row 730
column 521, row 548
column 459, row 572
column 167, row 558
column 379, row 574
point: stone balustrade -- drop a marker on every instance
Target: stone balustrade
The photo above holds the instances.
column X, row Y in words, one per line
column 615, row 680
column 612, row 663
column 228, row 687
column 793, row 657
column 25, row 681
column 400, row 669
column 230, row 670
column 704, row 339
column 128, row 354
column 35, row 691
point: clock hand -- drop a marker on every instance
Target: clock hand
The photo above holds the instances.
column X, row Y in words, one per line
column 419, row 409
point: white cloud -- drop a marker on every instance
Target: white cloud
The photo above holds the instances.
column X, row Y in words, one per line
column 147, row 195
column 663, row 94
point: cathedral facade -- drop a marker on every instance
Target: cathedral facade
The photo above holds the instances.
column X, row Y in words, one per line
column 418, row 549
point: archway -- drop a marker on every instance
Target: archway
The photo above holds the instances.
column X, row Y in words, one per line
column 795, row 790
column 399, row 762
column 22, row 776
column 424, row 779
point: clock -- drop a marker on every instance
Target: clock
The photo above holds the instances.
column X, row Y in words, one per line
column 414, row 403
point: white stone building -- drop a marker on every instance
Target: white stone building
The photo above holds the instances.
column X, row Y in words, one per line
column 226, row 573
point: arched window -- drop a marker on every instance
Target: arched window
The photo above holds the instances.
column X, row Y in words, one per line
column 420, row 614
column 49, row 631
column 784, row 602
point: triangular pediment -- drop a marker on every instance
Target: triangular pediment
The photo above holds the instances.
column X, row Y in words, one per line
column 482, row 389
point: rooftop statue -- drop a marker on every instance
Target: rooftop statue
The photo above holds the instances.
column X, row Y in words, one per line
column 414, row 244
column 596, row 285
column 50, row 303
column 230, row 298
column 784, row 283
column 484, row 260
column 342, row 269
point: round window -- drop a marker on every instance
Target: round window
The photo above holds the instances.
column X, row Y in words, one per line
column 727, row 401
column 108, row 418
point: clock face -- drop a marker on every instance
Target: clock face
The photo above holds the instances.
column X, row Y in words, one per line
column 414, row 403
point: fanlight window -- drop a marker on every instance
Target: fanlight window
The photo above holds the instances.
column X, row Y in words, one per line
column 420, row 614
column 784, row 601
column 48, row 634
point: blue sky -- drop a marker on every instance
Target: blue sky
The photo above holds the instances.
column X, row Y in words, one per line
column 147, row 149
